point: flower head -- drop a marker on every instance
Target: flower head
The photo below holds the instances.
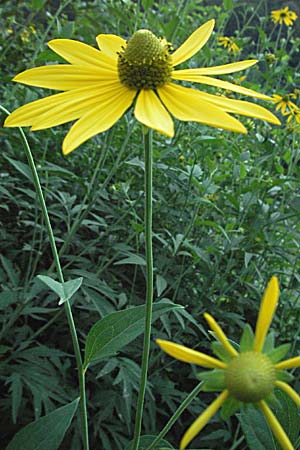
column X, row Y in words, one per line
column 283, row 15
column 284, row 103
column 247, row 376
column 228, row 42
column 100, row 85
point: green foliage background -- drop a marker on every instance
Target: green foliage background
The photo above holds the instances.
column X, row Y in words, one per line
column 226, row 218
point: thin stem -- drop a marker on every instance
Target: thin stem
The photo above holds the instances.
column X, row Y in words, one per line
column 149, row 286
column 175, row 416
column 67, row 306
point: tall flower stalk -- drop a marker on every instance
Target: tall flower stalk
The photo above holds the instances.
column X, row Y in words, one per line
column 67, row 306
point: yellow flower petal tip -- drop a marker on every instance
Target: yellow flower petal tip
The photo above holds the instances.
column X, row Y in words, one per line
column 98, row 85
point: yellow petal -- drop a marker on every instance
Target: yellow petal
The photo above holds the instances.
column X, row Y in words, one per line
column 240, row 107
column 222, row 70
column 275, row 426
column 112, row 106
column 74, row 104
column 186, row 104
column 56, row 109
column 81, row 54
column 266, row 313
column 289, row 391
column 64, row 77
column 288, row 363
column 192, row 75
column 110, row 44
column 193, row 43
column 186, row 354
column 203, row 419
column 220, row 335
column 150, row 111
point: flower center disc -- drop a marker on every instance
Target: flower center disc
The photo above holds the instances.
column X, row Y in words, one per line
column 145, row 63
column 250, row 377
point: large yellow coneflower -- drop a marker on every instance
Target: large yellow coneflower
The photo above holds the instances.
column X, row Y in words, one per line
column 100, row 85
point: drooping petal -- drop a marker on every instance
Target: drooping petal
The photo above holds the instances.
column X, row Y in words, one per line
column 186, row 354
column 193, row 76
column 224, row 69
column 57, row 109
column 241, row 107
column 186, row 104
column 203, row 419
column 110, row 44
column 288, row 363
column 193, row 43
column 266, row 313
column 81, row 54
column 150, row 111
column 289, row 391
column 275, row 426
column 220, row 335
column 64, row 77
column 111, row 107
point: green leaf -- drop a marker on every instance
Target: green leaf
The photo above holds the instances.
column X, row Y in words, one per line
column 256, row 430
column 118, row 329
column 21, row 167
column 214, row 380
column 161, row 285
column 132, row 259
column 247, row 339
column 220, row 352
column 64, row 290
column 47, row 432
column 277, row 354
column 269, row 342
column 147, row 440
column 229, row 407
column 288, row 415
column 228, row 4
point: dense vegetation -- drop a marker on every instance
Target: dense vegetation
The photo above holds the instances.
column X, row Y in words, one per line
column 226, row 218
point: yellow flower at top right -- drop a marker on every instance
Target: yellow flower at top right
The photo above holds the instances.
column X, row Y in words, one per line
column 283, row 15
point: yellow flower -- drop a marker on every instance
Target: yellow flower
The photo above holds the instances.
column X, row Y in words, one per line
column 248, row 376
column 284, row 103
column 228, row 42
column 293, row 114
column 283, row 15
column 100, row 85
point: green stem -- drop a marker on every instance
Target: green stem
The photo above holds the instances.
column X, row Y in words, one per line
column 149, row 286
column 68, row 311
column 175, row 416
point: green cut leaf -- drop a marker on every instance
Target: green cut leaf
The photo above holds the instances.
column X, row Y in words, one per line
column 277, row 354
column 64, row 290
column 146, row 441
column 247, row 339
column 118, row 329
column 47, row 432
